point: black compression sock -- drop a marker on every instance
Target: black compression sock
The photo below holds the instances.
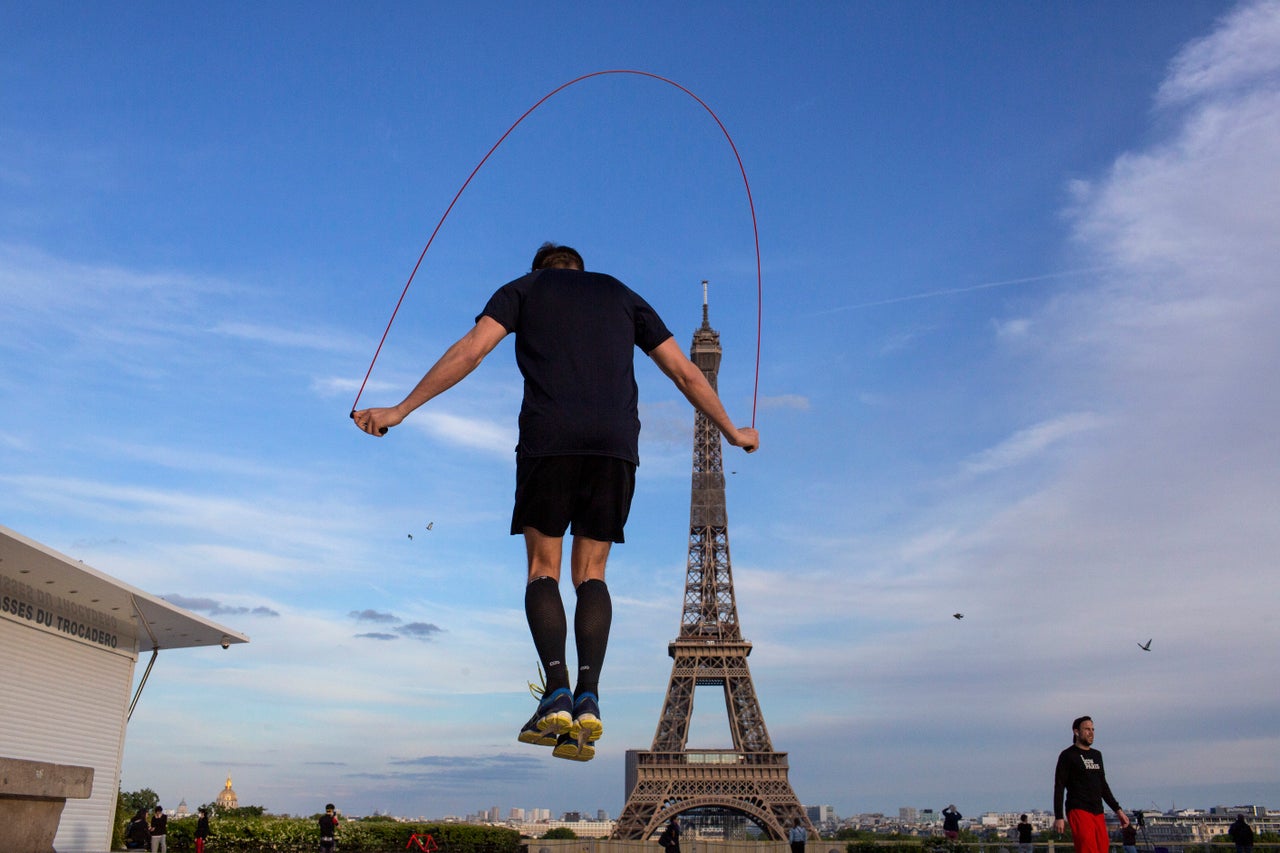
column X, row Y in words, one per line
column 591, row 621
column 545, row 612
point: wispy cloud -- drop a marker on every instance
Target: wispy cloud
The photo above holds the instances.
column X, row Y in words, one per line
column 328, row 340
column 217, row 608
column 1031, row 442
column 488, row 436
column 1237, row 57
column 971, row 288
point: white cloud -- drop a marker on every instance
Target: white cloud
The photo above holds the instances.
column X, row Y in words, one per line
column 320, row 339
column 1031, row 442
column 1243, row 52
column 471, row 432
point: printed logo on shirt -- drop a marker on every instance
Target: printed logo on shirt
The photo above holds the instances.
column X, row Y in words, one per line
column 1090, row 764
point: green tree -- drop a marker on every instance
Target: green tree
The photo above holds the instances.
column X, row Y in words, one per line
column 127, row 805
column 560, row 832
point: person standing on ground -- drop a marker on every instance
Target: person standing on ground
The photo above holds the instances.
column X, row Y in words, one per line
column 797, row 836
column 328, row 829
column 137, row 835
column 669, row 840
column 951, row 822
column 1080, row 774
column 1242, row 834
column 576, row 333
column 159, row 826
column 1025, row 830
column 202, row 830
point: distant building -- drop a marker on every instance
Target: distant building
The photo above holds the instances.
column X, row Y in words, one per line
column 181, row 810
column 908, row 814
column 227, row 798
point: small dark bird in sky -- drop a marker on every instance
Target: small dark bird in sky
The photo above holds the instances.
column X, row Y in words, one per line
column 1146, row 647
column 430, row 524
column 958, row 615
column 410, row 535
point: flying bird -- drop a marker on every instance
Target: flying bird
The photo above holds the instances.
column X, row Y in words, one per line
column 410, row 535
column 430, row 524
column 1146, row 647
column 958, row 615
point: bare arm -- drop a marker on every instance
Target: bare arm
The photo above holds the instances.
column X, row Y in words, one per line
column 458, row 361
column 698, row 391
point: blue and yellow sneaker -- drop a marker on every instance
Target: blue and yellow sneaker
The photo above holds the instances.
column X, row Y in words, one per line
column 553, row 717
column 574, row 747
column 586, row 717
column 578, row 744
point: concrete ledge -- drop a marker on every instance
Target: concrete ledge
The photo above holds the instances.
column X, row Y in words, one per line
column 32, row 796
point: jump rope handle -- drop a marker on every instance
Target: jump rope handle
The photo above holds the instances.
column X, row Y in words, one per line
column 382, row 431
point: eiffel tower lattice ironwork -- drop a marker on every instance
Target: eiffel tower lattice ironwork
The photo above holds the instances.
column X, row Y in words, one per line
column 750, row 779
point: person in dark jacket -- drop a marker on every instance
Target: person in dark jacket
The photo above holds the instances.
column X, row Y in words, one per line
column 1242, row 834
column 669, row 840
column 136, row 835
column 951, row 822
column 202, row 830
column 328, row 829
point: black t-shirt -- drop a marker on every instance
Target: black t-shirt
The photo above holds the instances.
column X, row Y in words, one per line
column 1081, row 774
column 575, row 338
column 159, row 824
column 328, row 823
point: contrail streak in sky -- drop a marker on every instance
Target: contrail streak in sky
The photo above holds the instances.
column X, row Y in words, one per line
column 954, row 290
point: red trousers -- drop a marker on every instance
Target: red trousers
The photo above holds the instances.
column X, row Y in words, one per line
column 199, row 845
column 1088, row 831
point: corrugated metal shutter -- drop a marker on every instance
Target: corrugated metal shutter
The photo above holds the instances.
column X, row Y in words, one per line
column 66, row 702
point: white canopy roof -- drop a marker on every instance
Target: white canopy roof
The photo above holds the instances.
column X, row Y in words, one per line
column 159, row 624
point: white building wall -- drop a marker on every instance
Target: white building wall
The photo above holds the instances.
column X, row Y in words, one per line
column 70, row 700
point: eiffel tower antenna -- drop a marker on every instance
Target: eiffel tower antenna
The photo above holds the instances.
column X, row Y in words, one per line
column 749, row 779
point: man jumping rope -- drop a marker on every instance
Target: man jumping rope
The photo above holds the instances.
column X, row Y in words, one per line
column 576, row 334
column 1081, row 775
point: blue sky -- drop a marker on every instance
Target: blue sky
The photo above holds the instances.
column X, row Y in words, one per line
column 1018, row 345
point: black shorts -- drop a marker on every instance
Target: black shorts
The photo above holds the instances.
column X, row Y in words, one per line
column 588, row 495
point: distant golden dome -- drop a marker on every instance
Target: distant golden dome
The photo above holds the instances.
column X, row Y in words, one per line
column 227, row 798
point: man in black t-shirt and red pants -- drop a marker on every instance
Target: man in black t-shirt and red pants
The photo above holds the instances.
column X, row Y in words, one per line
column 1080, row 774
column 576, row 336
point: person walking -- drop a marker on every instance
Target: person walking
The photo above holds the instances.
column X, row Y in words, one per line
column 1081, row 776
column 951, row 822
column 1242, row 834
column 576, row 333
column 1025, row 830
column 797, row 836
column 328, row 829
column 202, row 830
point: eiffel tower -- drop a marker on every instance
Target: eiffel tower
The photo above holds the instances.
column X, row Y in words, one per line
column 749, row 779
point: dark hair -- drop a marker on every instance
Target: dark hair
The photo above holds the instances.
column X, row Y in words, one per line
column 328, row 806
column 552, row 256
column 1079, row 721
